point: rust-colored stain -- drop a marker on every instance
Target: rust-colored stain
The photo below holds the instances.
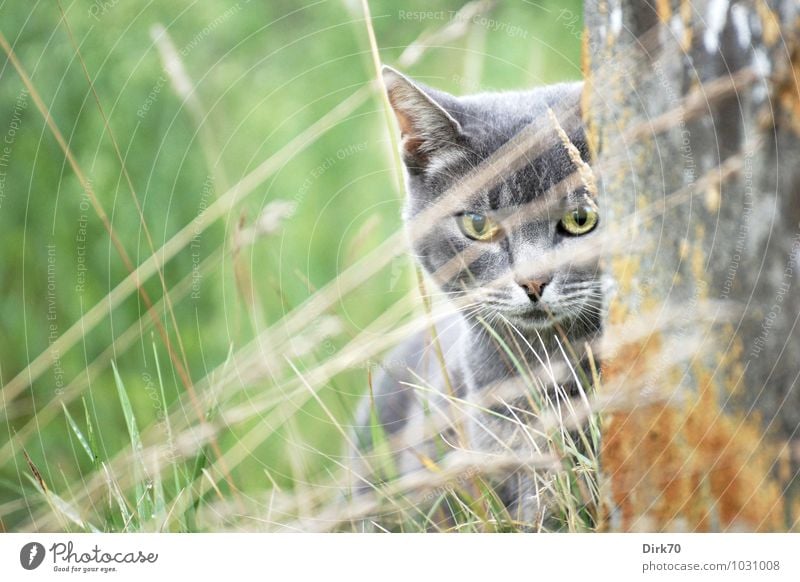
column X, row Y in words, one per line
column 633, row 359
column 683, row 463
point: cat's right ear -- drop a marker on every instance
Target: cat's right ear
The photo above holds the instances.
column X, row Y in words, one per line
column 426, row 128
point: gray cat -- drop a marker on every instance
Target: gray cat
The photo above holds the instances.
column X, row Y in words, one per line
column 514, row 320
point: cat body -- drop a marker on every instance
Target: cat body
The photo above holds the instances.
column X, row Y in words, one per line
column 476, row 379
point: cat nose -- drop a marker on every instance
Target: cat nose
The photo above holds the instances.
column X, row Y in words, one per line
column 534, row 288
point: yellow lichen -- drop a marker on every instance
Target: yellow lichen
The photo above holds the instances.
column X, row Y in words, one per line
column 770, row 25
column 712, row 198
column 664, row 10
column 686, row 20
column 626, row 269
column 698, row 262
column 592, row 136
column 617, row 313
column 788, row 91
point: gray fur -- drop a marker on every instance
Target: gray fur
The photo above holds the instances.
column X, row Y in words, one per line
column 444, row 138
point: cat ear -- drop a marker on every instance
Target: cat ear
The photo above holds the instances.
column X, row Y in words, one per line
column 426, row 127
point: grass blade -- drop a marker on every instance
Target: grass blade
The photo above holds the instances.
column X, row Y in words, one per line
column 79, row 435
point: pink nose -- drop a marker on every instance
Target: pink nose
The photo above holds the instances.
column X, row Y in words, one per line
column 534, row 288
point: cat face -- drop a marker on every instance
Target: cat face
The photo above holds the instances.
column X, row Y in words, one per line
column 497, row 247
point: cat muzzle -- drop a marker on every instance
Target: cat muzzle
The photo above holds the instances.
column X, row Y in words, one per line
column 534, row 288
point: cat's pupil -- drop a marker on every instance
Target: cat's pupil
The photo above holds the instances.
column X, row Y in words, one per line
column 478, row 223
column 580, row 216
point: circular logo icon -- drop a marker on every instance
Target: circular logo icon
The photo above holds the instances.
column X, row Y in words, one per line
column 31, row 555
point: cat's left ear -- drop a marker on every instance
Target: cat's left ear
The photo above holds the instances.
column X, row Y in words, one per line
column 426, row 127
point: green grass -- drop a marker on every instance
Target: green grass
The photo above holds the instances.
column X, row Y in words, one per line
column 111, row 426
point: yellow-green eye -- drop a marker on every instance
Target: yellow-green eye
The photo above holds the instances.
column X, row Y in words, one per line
column 478, row 226
column 579, row 220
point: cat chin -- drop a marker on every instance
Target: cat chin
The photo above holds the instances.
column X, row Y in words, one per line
column 535, row 319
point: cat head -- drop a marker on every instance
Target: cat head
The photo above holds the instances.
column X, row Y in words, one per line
column 491, row 244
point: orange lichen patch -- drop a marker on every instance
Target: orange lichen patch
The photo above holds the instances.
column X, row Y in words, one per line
column 686, row 20
column 788, row 91
column 685, row 463
column 712, row 198
column 683, row 249
column 634, row 359
column 592, row 136
column 748, row 496
column 664, row 10
column 699, row 271
column 586, row 56
column 617, row 313
column 641, row 492
column 732, row 363
column 795, row 527
column 625, row 269
column 770, row 25
column 651, row 304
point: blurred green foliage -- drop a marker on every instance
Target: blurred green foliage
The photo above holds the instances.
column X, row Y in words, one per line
column 262, row 71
